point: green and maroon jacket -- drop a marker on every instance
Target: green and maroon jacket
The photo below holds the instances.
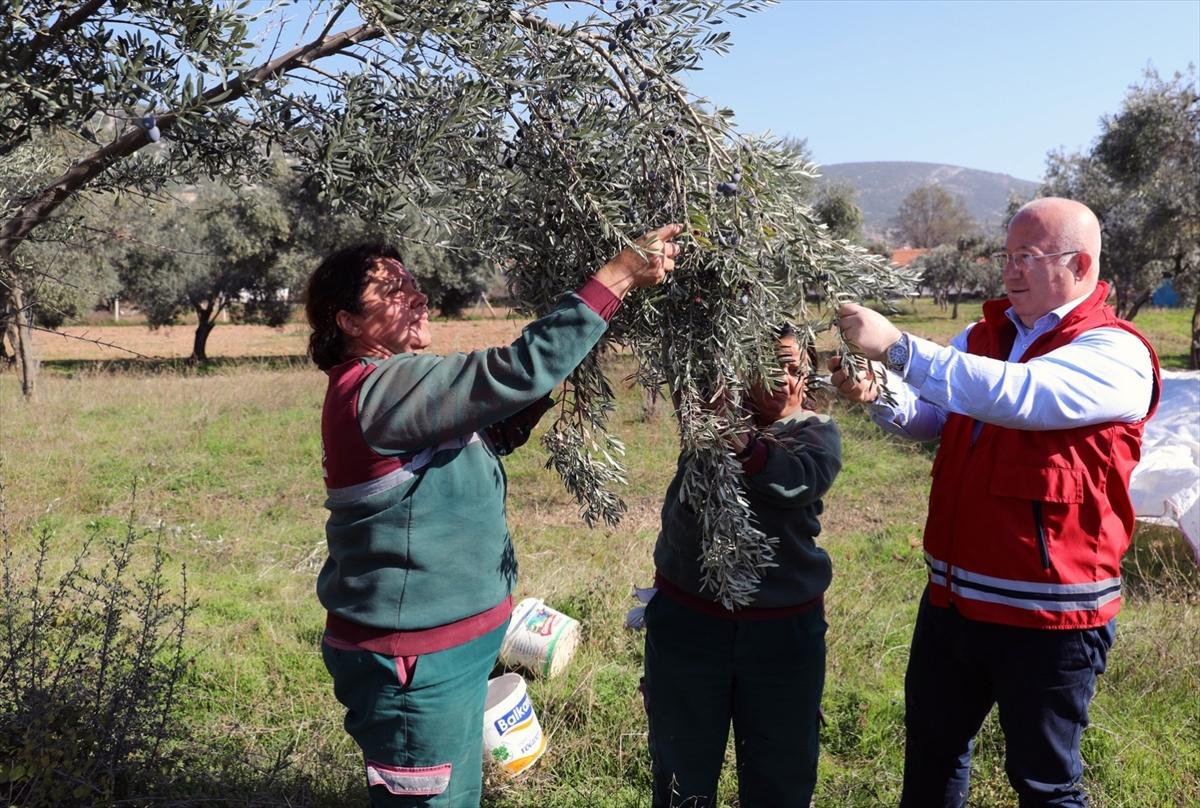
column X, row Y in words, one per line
column 420, row 557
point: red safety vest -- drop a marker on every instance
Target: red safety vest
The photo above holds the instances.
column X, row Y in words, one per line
column 1027, row 528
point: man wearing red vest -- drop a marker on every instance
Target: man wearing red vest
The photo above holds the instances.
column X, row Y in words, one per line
column 1040, row 408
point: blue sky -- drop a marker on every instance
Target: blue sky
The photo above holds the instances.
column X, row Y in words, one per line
column 987, row 85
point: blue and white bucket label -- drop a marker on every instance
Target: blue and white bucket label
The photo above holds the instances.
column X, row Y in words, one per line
column 518, row 718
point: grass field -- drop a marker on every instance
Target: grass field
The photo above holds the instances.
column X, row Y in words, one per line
column 227, row 463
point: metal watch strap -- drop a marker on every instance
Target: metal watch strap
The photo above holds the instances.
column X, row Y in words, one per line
column 898, row 354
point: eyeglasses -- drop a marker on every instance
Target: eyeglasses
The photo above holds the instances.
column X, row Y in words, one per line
column 1025, row 260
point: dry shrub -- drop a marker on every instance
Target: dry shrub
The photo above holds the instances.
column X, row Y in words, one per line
column 92, row 661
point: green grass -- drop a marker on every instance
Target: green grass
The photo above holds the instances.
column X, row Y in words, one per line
column 229, row 463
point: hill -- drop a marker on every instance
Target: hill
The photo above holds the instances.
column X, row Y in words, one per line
column 882, row 186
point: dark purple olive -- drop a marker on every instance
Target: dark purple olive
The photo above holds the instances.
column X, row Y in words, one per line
column 727, row 188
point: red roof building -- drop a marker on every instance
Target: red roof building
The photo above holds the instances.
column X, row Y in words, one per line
column 906, row 255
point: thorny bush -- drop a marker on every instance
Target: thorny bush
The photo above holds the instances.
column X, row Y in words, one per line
column 89, row 675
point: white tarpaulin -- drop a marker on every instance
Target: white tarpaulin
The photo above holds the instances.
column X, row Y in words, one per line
column 1166, row 483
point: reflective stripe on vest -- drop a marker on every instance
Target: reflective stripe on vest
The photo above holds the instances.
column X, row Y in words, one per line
column 1029, row 595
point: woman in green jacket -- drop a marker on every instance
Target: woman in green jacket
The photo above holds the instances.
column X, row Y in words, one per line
column 418, row 582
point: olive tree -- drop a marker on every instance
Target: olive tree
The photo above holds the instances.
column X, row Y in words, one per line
column 545, row 135
column 930, row 215
column 107, row 80
column 950, row 271
column 1140, row 179
column 836, row 209
column 219, row 253
column 452, row 274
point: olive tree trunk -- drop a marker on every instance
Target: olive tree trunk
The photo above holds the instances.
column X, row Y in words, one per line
column 23, row 318
column 206, row 320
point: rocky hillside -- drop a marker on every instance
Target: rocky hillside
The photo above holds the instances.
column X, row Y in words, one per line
column 882, row 186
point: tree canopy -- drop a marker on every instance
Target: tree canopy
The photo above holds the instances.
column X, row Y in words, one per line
column 950, row 271
column 930, row 215
column 544, row 136
column 836, row 209
column 1140, row 178
column 218, row 252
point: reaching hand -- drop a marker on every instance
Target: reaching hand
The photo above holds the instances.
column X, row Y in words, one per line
column 866, row 329
column 863, row 391
column 633, row 270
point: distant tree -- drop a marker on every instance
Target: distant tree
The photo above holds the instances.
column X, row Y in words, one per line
column 1015, row 201
column 950, row 271
column 459, row 276
column 60, row 273
column 931, row 215
column 836, row 209
column 1140, row 177
column 220, row 254
column 879, row 247
column 937, row 267
column 69, row 281
column 451, row 273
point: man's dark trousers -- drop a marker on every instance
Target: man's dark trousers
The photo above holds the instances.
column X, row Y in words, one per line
column 1041, row 679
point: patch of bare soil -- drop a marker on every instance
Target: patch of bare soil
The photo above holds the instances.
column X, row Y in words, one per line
column 231, row 340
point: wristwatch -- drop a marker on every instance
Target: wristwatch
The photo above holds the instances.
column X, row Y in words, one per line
column 897, row 354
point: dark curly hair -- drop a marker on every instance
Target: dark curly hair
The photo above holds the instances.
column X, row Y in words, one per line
column 337, row 285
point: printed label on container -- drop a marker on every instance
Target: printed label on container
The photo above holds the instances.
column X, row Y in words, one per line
column 517, row 718
column 541, row 622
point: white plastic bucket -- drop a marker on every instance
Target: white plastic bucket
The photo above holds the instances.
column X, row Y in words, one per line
column 511, row 732
column 539, row 639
